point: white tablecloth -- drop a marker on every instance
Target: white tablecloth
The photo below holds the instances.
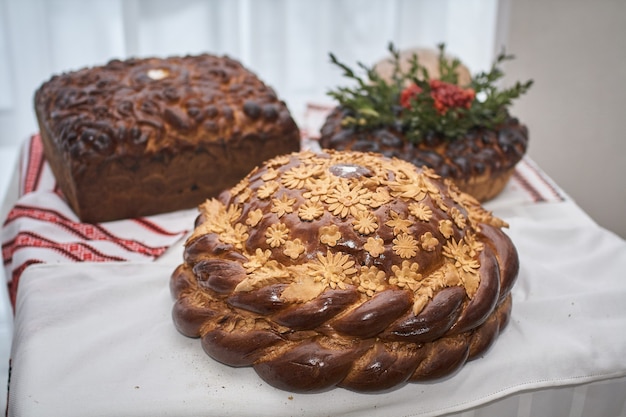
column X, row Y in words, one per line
column 97, row 339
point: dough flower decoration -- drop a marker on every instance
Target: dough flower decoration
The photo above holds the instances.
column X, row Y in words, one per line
column 310, row 210
column 267, row 190
column 346, row 198
column 276, row 235
column 282, row 205
column 406, row 275
column 405, row 187
column 244, row 195
column 365, row 222
column 294, row 248
column 333, row 270
column 398, row 223
column 421, row 211
column 405, row 246
column 235, row 235
column 222, row 220
column 278, row 161
column 380, row 198
column 317, row 188
column 375, row 246
column 297, row 177
column 429, row 242
column 330, row 235
column 371, row 280
column 446, row 228
column 269, row 174
column 254, row 217
column 458, row 217
column 465, row 262
column 240, row 187
column 445, row 277
column 257, row 259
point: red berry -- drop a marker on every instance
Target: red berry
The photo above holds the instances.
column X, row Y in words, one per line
column 407, row 95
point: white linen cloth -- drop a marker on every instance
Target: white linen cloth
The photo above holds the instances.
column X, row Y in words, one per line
column 97, row 339
column 84, row 331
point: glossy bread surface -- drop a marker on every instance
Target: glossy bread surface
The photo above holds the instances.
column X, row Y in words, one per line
column 344, row 269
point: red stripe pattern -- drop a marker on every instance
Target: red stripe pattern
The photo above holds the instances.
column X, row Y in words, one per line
column 75, row 251
column 551, row 191
column 42, row 228
column 12, row 285
column 87, row 231
column 153, row 226
column 34, row 166
column 525, row 184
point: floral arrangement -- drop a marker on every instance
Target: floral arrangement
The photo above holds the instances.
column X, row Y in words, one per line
column 417, row 105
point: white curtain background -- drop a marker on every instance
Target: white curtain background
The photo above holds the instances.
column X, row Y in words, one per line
column 285, row 42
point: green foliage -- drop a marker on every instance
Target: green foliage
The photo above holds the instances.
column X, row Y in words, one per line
column 375, row 102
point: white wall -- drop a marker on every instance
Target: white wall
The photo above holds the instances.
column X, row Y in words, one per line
column 575, row 50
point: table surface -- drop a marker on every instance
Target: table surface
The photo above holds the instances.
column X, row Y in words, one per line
column 562, row 332
column 560, row 249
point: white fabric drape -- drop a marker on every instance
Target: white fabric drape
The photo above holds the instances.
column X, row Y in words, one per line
column 286, row 42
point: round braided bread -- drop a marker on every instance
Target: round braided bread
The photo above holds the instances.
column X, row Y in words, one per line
column 344, row 269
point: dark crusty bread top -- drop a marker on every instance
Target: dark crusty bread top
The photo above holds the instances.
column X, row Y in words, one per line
column 365, row 217
column 480, row 152
column 152, row 105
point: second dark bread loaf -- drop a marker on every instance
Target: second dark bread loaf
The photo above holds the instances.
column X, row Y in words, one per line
column 146, row 136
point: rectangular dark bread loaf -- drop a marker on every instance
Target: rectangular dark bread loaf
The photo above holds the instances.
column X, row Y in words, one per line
column 147, row 136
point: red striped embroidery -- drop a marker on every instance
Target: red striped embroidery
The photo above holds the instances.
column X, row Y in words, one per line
column 535, row 195
column 75, row 251
column 156, row 228
column 85, row 231
column 545, row 182
column 7, row 252
column 34, row 164
column 15, row 279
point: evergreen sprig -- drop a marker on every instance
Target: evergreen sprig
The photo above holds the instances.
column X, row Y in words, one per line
column 375, row 102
